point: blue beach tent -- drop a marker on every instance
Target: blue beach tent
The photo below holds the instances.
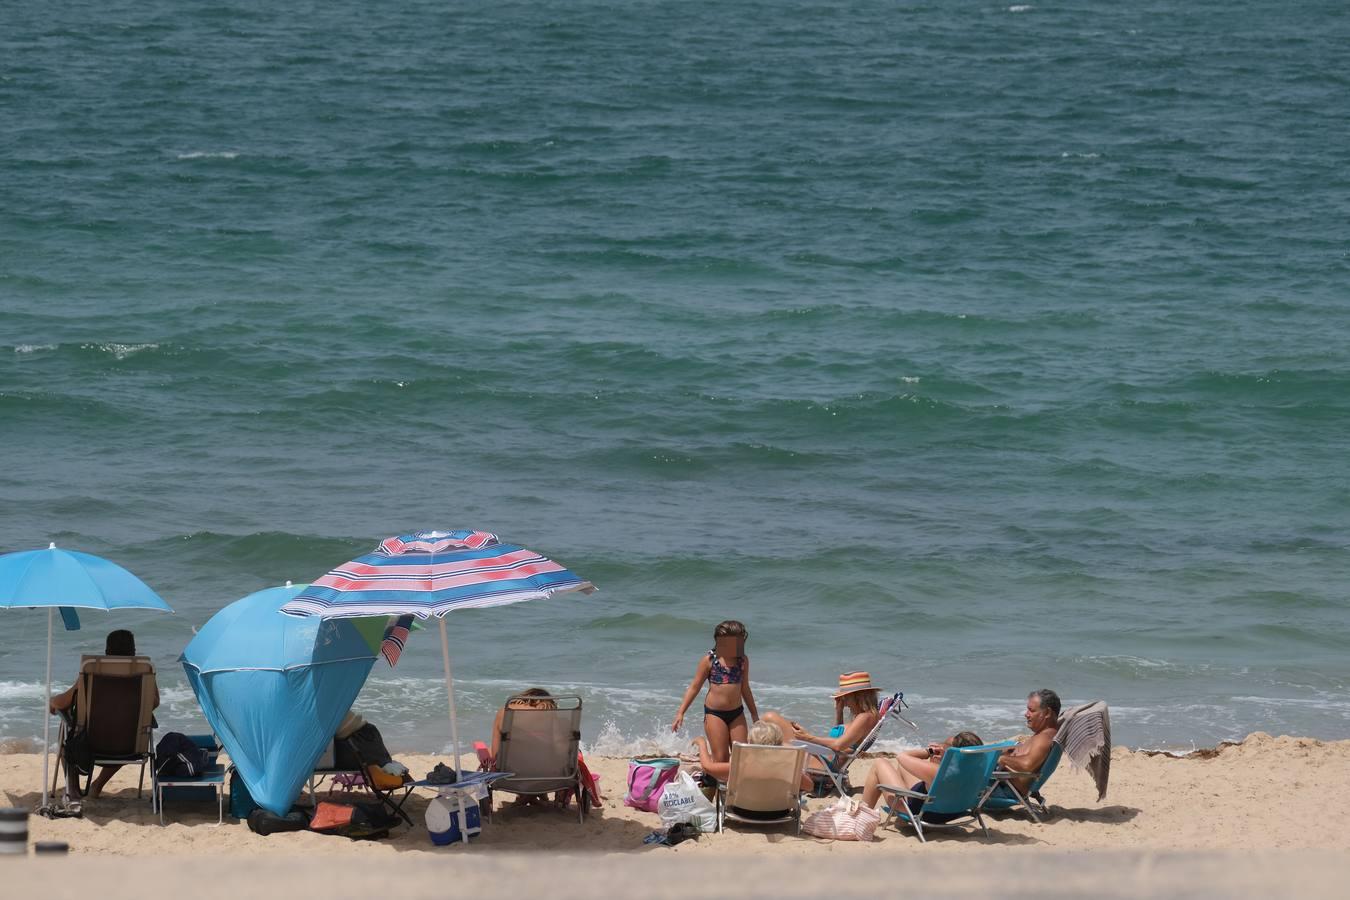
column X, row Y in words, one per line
column 275, row 687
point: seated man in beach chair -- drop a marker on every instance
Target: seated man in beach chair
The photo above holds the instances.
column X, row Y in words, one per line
column 1042, row 717
column 108, row 715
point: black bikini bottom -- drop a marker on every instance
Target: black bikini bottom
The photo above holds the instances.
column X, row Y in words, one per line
column 726, row 715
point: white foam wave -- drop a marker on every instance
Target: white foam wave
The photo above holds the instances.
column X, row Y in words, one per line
column 122, row 351
column 1067, row 155
column 221, row 154
column 1020, row 8
column 910, row 379
column 33, row 348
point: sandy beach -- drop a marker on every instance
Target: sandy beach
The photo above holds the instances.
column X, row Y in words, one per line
column 1265, row 793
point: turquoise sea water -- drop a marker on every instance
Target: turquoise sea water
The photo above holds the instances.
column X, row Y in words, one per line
column 983, row 347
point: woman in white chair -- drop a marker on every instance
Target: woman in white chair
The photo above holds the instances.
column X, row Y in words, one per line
column 763, row 733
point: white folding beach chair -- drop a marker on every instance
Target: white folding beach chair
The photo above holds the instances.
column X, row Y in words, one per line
column 764, row 786
column 834, row 765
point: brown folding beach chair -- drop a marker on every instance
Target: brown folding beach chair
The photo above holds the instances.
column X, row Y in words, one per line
column 113, row 715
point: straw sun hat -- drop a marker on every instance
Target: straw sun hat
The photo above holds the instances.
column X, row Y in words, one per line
column 852, row 683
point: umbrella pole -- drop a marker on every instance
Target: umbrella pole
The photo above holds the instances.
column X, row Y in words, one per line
column 450, row 693
column 46, row 711
column 454, row 728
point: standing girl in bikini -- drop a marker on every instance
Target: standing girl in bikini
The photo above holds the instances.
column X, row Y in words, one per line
column 726, row 669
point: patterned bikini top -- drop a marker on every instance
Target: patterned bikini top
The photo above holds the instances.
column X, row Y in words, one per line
column 721, row 674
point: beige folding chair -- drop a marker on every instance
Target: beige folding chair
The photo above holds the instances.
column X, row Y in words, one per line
column 540, row 747
column 764, row 786
column 114, row 706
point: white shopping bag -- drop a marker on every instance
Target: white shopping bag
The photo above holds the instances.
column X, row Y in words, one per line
column 682, row 801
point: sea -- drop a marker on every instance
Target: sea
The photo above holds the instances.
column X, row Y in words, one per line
column 982, row 347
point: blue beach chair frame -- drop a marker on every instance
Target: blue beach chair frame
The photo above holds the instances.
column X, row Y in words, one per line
column 1031, row 801
column 963, row 782
column 835, row 765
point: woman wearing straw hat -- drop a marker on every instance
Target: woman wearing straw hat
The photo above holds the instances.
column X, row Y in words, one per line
column 856, row 695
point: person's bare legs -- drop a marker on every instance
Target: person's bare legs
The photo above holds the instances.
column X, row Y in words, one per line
column 105, row 774
column 719, row 737
column 884, row 771
column 738, row 732
column 903, row 771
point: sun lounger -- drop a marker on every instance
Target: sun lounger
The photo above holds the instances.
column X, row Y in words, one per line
column 541, row 747
column 764, row 786
column 834, row 765
column 954, row 798
column 1009, row 797
column 114, row 707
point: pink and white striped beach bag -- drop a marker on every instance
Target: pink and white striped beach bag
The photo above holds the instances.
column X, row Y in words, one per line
column 844, row 820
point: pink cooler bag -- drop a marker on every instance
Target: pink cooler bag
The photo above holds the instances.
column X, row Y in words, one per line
column 647, row 780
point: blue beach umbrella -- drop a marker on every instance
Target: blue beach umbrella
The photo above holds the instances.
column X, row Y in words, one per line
column 433, row 573
column 68, row 580
column 275, row 688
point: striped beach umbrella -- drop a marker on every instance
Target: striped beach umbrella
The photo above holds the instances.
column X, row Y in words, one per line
column 433, row 573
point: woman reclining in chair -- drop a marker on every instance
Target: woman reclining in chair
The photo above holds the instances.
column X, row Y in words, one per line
column 530, row 698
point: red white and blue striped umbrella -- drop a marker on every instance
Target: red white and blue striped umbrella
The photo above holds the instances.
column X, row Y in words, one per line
column 432, row 573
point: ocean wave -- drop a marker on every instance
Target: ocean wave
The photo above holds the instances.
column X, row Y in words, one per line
column 208, row 154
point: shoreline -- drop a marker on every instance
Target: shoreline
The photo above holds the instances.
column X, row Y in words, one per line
column 1217, row 800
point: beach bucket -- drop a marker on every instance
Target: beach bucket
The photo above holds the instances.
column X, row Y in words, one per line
column 13, row 832
column 443, row 820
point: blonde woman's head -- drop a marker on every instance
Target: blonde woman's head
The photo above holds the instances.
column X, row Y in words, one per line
column 765, row 733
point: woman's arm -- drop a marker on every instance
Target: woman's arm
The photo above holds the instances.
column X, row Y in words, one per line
column 854, row 732
column 497, row 736
column 701, row 672
column 746, row 694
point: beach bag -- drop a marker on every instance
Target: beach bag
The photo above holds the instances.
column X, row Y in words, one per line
column 682, row 801
column 364, row 745
column 262, row 821
column 78, row 752
column 647, row 778
column 844, row 820
column 241, row 801
column 178, row 754
column 358, row 821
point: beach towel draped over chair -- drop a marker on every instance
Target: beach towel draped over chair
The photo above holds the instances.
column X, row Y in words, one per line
column 956, row 794
column 763, row 786
column 541, row 748
column 113, row 713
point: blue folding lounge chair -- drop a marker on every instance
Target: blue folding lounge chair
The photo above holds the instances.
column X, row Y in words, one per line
column 953, row 799
column 1009, row 797
column 835, row 765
